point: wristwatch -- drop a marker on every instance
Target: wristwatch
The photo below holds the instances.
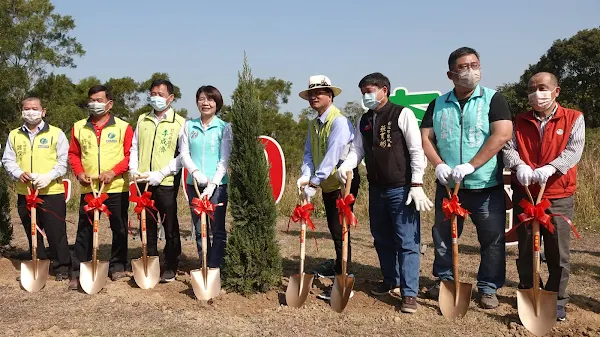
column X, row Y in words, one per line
column 416, row 185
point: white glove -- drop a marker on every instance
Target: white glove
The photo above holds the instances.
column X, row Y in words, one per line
column 341, row 173
column 302, row 181
column 417, row 194
column 200, row 178
column 136, row 176
column 42, row 180
column 442, row 172
column 155, row 178
column 541, row 174
column 208, row 191
column 461, row 171
column 524, row 174
column 309, row 192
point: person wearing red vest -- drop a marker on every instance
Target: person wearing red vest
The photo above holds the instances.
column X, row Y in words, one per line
column 547, row 145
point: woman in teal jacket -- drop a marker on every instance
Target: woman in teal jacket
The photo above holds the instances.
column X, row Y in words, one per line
column 205, row 147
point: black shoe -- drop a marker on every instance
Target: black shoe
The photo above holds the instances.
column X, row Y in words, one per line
column 62, row 275
column 117, row 275
column 167, row 276
column 326, row 294
column 326, row 270
column 561, row 313
column 382, row 289
column 409, row 304
column 73, row 284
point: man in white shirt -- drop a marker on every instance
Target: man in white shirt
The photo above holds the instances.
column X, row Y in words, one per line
column 389, row 139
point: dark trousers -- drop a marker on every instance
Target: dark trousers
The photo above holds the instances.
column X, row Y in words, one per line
column 118, row 204
column 333, row 222
column 165, row 201
column 396, row 230
column 55, row 229
column 556, row 248
column 216, row 248
column 488, row 214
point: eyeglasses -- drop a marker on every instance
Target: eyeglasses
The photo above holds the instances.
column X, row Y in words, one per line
column 314, row 93
column 465, row 66
column 209, row 100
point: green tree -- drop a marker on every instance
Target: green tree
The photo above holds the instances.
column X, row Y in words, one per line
column 252, row 260
column 6, row 229
column 353, row 111
column 576, row 63
column 62, row 99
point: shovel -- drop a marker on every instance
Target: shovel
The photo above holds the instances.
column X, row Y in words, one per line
column 35, row 272
column 146, row 269
column 343, row 284
column 455, row 296
column 206, row 282
column 537, row 307
column 300, row 284
column 93, row 274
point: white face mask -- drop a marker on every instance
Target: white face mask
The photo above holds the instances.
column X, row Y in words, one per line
column 469, row 78
column 31, row 116
column 96, row 108
column 158, row 103
column 541, row 100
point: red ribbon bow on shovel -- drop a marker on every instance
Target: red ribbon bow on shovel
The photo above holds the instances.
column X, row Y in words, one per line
column 344, row 210
column 452, row 206
column 538, row 212
column 96, row 203
column 32, row 200
column 203, row 206
column 303, row 213
column 142, row 202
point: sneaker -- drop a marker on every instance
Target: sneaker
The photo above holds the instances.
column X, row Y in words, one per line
column 326, row 294
column 409, row 304
column 561, row 313
column 61, row 275
column 73, row 284
column 433, row 292
column 117, row 275
column 488, row 301
column 167, row 276
column 382, row 289
column 326, row 270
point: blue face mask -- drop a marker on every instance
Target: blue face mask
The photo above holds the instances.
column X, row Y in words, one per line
column 370, row 99
column 158, row 103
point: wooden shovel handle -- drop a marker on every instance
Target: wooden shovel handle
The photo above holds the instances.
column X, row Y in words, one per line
column 454, row 236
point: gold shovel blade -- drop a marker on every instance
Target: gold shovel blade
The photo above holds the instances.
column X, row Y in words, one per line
column 450, row 305
column 143, row 280
column 298, row 289
column 340, row 293
column 539, row 322
column 34, row 280
column 88, row 282
column 213, row 283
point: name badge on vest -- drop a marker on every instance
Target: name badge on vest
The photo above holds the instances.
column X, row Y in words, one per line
column 112, row 138
column 43, row 144
column 385, row 135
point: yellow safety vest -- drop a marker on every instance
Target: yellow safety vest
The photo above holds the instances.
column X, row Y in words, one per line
column 37, row 157
column 157, row 144
column 97, row 158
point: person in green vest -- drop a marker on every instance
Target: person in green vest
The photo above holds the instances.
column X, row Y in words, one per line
column 205, row 147
column 154, row 153
column 36, row 157
column 463, row 132
column 99, row 153
column 326, row 147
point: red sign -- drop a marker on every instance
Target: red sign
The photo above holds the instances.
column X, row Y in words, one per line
column 276, row 162
column 67, row 185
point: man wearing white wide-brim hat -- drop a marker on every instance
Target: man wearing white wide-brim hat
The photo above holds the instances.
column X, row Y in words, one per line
column 326, row 147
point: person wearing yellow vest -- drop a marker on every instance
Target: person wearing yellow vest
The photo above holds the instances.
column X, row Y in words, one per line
column 100, row 148
column 154, row 153
column 36, row 156
column 205, row 147
column 327, row 144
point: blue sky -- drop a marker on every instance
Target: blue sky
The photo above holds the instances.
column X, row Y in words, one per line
column 202, row 42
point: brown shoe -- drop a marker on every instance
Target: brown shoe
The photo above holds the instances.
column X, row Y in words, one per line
column 117, row 275
column 409, row 304
column 73, row 284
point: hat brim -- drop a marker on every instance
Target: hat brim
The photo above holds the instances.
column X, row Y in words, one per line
column 304, row 93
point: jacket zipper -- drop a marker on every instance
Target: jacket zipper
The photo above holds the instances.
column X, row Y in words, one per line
column 153, row 140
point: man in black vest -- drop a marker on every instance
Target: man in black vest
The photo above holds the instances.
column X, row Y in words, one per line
column 389, row 139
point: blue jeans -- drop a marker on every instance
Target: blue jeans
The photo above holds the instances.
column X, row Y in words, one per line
column 216, row 248
column 396, row 230
column 488, row 213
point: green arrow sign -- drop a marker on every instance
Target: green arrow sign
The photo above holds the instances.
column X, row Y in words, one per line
column 416, row 101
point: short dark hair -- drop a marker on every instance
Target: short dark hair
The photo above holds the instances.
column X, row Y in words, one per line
column 376, row 79
column 460, row 52
column 32, row 98
column 212, row 93
column 159, row 82
column 99, row 88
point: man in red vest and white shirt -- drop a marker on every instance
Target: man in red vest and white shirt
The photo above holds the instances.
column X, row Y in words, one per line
column 547, row 145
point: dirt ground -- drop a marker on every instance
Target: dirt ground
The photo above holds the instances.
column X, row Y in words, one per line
column 122, row 309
